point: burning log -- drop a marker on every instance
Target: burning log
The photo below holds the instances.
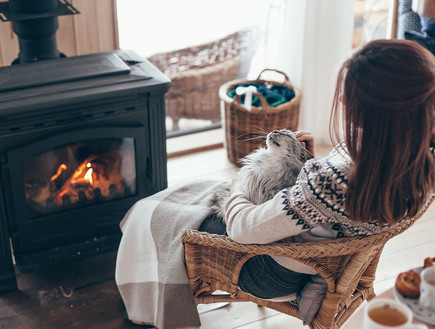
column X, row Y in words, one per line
column 98, row 178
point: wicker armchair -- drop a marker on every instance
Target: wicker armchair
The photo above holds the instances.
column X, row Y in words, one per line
column 197, row 72
column 213, row 262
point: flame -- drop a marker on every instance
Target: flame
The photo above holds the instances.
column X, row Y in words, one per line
column 61, row 168
column 88, row 175
column 90, row 178
column 62, row 193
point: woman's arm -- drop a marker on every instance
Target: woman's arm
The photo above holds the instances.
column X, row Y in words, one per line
column 316, row 198
column 265, row 223
column 271, row 221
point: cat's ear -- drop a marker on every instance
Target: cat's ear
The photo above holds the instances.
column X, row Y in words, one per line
column 305, row 155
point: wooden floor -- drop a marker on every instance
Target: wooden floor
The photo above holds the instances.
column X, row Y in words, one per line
column 83, row 295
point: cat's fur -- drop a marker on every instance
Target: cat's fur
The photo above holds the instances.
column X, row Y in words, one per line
column 266, row 171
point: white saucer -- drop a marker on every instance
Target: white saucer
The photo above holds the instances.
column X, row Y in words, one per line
column 418, row 310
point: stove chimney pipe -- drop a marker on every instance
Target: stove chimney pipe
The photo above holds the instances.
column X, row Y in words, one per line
column 36, row 36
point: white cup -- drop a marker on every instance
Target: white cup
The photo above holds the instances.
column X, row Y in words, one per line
column 383, row 313
column 427, row 288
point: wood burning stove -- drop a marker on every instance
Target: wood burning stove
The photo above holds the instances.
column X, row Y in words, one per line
column 74, row 156
column 81, row 139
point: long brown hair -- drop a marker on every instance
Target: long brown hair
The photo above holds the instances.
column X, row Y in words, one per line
column 384, row 103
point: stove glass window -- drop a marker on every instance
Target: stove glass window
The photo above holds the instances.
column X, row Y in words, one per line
column 79, row 174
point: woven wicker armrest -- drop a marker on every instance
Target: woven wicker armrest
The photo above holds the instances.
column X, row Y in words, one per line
column 326, row 248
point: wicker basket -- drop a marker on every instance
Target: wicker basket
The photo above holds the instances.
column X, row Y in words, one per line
column 197, row 73
column 243, row 127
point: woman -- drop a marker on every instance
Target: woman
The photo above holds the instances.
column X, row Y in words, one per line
column 381, row 173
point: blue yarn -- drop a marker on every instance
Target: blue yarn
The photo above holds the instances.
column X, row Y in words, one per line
column 275, row 95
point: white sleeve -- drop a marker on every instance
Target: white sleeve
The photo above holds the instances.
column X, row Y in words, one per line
column 265, row 223
column 316, row 198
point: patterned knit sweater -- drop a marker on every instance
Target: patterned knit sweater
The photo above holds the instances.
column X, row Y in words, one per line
column 311, row 210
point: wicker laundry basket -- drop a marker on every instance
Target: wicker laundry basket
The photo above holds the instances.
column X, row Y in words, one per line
column 198, row 72
column 243, row 128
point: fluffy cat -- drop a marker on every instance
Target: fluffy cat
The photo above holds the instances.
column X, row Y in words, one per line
column 266, row 171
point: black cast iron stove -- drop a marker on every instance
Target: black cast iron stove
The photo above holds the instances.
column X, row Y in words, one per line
column 81, row 139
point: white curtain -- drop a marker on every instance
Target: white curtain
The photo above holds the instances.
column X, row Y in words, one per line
column 317, row 38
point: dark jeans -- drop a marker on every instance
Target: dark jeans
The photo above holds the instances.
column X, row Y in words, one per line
column 261, row 275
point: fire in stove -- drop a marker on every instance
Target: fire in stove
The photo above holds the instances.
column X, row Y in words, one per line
column 100, row 177
column 92, row 179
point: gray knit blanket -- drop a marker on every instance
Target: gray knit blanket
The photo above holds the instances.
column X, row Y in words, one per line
column 150, row 272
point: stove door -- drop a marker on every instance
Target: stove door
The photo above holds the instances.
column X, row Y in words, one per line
column 76, row 186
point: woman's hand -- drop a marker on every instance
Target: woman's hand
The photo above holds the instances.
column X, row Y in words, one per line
column 307, row 139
